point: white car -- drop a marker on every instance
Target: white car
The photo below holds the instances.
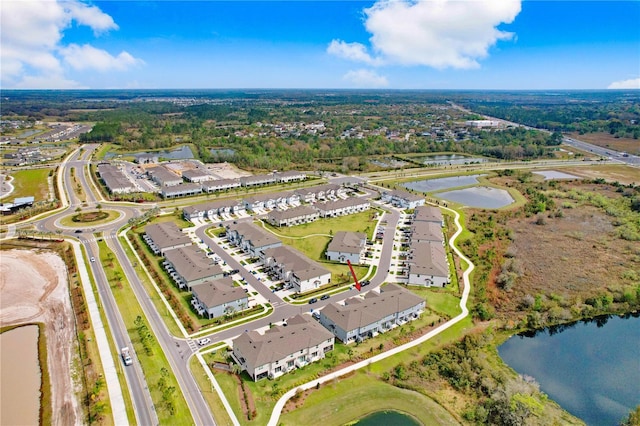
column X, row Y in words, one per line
column 204, row 341
column 93, row 259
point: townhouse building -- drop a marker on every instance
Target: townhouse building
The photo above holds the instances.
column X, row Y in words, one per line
column 252, row 239
column 220, row 185
column 402, row 199
column 362, row 317
column 293, row 216
column 218, row 297
column 346, row 246
column 181, row 190
column 165, row 236
column 294, row 269
column 341, row 207
column 427, row 264
column 282, row 349
column 189, row 266
column 163, row 177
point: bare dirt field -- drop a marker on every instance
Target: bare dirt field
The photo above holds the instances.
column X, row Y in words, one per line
column 610, row 172
column 34, row 288
column 606, row 140
column 227, row 171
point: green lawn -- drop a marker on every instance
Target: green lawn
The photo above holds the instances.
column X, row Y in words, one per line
column 441, row 301
column 31, row 182
column 347, row 400
column 210, row 395
column 359, row 222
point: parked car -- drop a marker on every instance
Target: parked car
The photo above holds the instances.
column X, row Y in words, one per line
column 365, row 282
column 78, row 231
column 93, row 259
column 324, row 297
column 204, row 341
column 313, row 300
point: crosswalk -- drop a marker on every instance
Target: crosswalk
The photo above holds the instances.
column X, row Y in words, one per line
column 192, row 345
column 106, row 237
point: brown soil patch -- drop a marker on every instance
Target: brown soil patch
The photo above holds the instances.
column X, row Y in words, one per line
column 606, row 140
column 610, row 172
column 34, row 289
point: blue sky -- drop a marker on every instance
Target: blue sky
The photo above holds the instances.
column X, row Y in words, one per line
column 401, row 44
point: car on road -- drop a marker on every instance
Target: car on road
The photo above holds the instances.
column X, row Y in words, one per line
column 204, row 341
column 78, row 231
column 93, row 259
column 365, row 282
column 324, row 297
column 313, row 300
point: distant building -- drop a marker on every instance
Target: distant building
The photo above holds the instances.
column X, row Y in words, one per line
column 251, row 239
column 403, row 199
column 258, row 180
column 18, row 203
column 341, row 207
column 361, row 318
column 346, row 246
column 428, row 264
column 163, row 177
column 181, row 190
column 220, row 185
column 428, row 214
column 115, row 180
column 147, row 159
column 282, row 349
column 293, row 216
column 197, row 175
column 290, row 176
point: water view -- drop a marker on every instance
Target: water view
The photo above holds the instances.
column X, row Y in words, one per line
column 430, row 185
column 554, row 174
column 483, row 197
column 590, row 368
column 450, row 159
column 182, row 153
column 20, row 378
column 388, row 163
column 223, row 152
column 386, row 418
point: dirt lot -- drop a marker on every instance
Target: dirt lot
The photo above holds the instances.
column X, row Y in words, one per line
column 605, row 140
column 227, row 171
column 610, row 172
column 34, row 289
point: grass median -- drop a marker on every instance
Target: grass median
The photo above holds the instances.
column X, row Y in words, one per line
column 170, row 405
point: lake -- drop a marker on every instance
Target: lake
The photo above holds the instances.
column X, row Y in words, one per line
column 591, row 368
column 386, row 418
column 20, row 378
column 430, row 185
column 483, row 197
column 449, row 159
column 388, row 163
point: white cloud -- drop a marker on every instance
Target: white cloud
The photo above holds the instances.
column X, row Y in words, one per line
column 31, row 47
column 352, row 51
column 88, row 57
column 434, row 33
column 363, row 78
column 632, row 83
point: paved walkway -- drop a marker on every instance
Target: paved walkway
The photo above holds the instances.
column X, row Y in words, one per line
column 118, row 408
column 275, row 415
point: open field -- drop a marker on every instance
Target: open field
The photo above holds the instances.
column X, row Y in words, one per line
column 606, row 140
column 31, row 182
column 610, row 172
column 344, row 401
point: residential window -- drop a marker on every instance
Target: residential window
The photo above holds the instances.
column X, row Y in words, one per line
column 278, row 369
column 290, row 364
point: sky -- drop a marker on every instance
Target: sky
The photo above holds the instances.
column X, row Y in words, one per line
column 391, row 44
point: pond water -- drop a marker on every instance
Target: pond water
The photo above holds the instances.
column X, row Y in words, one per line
column 591, row 368
column 226, row 152
column 430, row 185
column 450, row 159
column 28, row 133
column 182, row 153
column 388, row 162
column 554, row 174
column 483, row 197
column 20, row 378
column 387, row 418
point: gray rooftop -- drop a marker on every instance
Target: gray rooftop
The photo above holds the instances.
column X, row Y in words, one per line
column 278, row 342
column 296, row 262
column 300, row 211
column 341, row 203
column 166, row 234
column 163, row 174
column 347, row 242
column 427, row 214
column 250, row 232
column 192, row 263
column 373, row 308
column 428, row 258
column 426, row 231
column 216, row 292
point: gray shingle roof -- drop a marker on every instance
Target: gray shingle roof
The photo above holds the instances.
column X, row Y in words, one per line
column 279, row 342
column 347, row 242
column 216, row 292
column 294, row 261
column 192, row 263
column 166, row 234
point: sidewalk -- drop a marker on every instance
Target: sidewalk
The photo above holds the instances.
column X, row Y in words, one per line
column 111, row 375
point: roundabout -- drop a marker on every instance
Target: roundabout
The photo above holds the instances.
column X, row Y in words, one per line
column 89, row 219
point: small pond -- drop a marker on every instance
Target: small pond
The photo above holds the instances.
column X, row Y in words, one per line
column 430, row 185
column 591, row 368
column 386, row 418
column 388, row 163
column 483, row 197
column 554, row 174
column 28, row 133
column 223, row 152
column 449, row 159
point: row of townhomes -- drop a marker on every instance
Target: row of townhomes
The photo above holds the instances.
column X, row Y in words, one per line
column 191, row 269
column 173, row 183
column 402, row 199
column 115, row 179
column 294, row 269
column 426, row 255
column 283, row 348
column 337, row 203
column 283, row 263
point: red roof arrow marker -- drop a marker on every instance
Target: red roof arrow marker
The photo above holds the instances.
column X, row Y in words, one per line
column 358, row 286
